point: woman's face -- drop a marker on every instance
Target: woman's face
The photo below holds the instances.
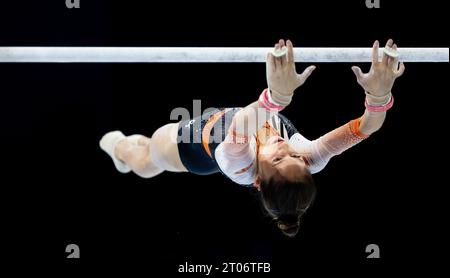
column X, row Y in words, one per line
column 276, row 159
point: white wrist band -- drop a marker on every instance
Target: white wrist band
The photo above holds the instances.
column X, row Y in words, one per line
column 278, row 98
column 384, row 99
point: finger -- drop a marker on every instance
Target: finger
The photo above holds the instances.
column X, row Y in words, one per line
column 375, row 48
column 385, row 56
column 284, row 57
column 393, row 61
column 290, row 54
column 277, row 60
column 400, row 71
column 307, row 72
column 280, row 46
column 358, row 72
column 270, row 62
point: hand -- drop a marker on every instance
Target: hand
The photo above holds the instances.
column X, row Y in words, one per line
column 282, row 77
column 380, row 79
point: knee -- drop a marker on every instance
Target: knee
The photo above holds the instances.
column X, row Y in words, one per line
column 135, row 154
column 148, row 173
column 144, row 141
column 141, row 162
column 143, row 174
column 122, row 150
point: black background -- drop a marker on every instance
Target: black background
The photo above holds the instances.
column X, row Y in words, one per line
column 60, row 188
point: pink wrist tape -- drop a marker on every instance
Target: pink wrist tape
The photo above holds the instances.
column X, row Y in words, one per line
column 380, row 108
column 265, row 101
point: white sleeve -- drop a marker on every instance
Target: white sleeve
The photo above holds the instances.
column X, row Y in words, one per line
column 308, row 149
column 236, row 161
column 319, row 152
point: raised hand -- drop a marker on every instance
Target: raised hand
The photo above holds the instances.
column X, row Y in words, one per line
column 379, row 80
column 282, row 77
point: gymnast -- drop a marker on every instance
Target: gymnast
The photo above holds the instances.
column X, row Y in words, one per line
column 257, row 146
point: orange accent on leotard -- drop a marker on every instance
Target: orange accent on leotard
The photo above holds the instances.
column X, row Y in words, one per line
column 243, row 170
column 206, row 132
column 354, row 127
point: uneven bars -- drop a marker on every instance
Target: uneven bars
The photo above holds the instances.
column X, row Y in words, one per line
column 204, row 54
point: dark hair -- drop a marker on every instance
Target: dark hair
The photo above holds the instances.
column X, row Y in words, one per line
column 286, row 201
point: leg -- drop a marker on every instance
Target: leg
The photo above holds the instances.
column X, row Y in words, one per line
column 147, row 157
column 164, row 148
column 134, row 151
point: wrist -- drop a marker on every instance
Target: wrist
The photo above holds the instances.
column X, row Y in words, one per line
column 278, row 98
column 266, row 101
column 380, row 106
column 378, row 100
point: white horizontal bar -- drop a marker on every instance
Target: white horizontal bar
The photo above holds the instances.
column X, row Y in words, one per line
column 203, row 54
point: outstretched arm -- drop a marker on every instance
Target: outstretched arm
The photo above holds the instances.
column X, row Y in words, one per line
column 377, row 84
column 282, row 81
